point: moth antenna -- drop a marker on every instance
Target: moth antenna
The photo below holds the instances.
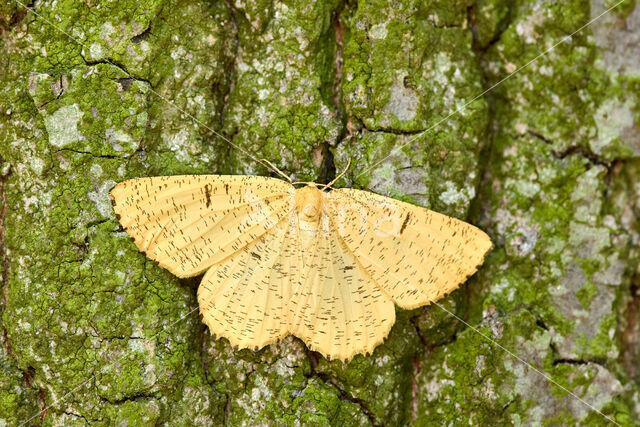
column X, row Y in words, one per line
column 339, row 176
column 271, row 165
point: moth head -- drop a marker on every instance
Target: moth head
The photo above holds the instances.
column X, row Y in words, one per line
column 309, row 202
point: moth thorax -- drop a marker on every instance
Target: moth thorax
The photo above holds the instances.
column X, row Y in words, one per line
column 309, row 203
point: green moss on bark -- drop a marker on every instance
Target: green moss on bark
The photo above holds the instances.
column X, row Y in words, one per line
column 96, row 333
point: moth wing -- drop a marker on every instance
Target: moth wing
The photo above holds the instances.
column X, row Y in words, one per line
column 415, row 255
column 244, row 298
column 337, row 309
column 188, row 223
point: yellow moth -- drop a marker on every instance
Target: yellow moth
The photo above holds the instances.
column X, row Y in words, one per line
column 325, row 266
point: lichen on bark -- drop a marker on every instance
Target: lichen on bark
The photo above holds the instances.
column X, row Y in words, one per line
column 547, row 162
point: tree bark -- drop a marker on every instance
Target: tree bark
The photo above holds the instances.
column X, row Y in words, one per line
column 521, row 117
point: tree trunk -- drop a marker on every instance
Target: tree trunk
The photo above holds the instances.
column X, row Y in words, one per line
column 508, row 114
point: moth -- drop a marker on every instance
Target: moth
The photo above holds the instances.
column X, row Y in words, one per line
column 323, row 264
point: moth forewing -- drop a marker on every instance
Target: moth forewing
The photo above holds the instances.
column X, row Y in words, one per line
column 389, row 221
column 325, row 226
column 260, row 213
column 349, row 210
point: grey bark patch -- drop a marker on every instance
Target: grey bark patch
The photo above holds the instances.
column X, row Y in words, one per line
column 62, row 126
column 403, row 101
column 618, row 36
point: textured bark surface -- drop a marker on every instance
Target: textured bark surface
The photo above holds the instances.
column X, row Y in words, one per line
column 547, row 162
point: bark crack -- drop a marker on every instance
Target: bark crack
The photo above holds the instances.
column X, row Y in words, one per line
column 382, row 129
column 97, row 156
column 73, row 414
column 327, row 167
column 227, row 408
column 28, row 374
column 121, row 67
column 17, row 16
column 144, row 35
column 4, row 259
column 581, row 151
column 503, row 25
column 130, row 398
column 630, row 336
column 314, row 358
column 347, row 397
column 232, row 81
column 415, row 391
column 556, row 360
column 60, row 88
column 565, row 361
column 338, row 62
